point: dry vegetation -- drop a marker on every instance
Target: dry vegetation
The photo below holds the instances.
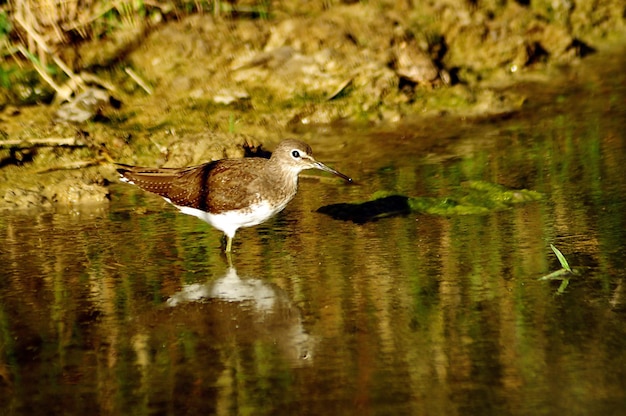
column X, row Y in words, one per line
column 51, row 36
column 42, row 31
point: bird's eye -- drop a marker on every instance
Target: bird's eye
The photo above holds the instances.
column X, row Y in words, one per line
column 295, row 154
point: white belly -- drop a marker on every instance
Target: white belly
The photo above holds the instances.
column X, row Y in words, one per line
column 230, row 221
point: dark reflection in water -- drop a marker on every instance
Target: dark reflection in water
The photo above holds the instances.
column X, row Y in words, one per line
column 132, row 308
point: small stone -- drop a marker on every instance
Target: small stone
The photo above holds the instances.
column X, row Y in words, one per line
column 229, row 96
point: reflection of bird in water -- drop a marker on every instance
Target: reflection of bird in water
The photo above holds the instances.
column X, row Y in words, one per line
column 260, row 310
column 231, row 288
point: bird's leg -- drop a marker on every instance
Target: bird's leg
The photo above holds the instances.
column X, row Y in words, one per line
column 229, row 244
column 229, row 258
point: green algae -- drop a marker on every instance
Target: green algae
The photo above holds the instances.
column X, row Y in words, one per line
column 472, row 198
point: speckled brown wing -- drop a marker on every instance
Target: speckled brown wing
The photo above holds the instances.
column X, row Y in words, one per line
column 195, row 187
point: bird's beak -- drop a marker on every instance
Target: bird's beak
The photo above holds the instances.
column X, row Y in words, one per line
column 321, row 166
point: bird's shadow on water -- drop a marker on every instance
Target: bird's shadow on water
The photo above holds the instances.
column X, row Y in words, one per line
column 361, row 213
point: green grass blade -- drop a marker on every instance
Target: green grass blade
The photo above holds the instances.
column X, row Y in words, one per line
column 562, row 286
column 558, row 275
column 561, row 258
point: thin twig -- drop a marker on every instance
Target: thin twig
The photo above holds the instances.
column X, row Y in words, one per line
column 76, row 78
column 72, row 166
column 47, row 142
column 138, row 80
column 42, row 73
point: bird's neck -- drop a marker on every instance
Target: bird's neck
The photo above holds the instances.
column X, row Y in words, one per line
column 282, row 179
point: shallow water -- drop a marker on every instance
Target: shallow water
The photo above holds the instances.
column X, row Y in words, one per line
column 133, row 309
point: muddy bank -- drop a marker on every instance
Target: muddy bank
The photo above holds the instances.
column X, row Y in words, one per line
column 220, row 84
